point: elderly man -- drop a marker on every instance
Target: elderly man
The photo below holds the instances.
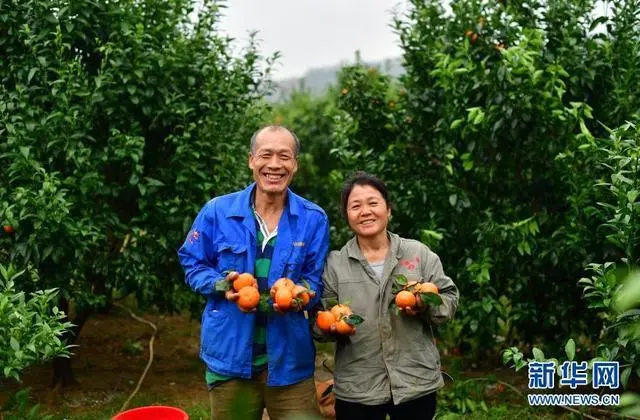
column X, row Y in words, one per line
column 258, row 359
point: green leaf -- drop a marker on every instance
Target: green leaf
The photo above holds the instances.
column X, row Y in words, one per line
column 32, row 72
column 401, row 279
column 537, row 75
column 456, row 123
column 331, row 302
column 570, row 349
column 453, row 199
column 506, row 356
column 396, row 288
column 354, row 320
column 14, row 344
column 223, row 285
column 487, row 306
column 474, row 324
column 484, row 407
column 538, row 354
column 596, row 22
column 152, row 182
column 431, row 299
column 629, row 295
column 624, row 377
column 585, row 282
column 432, row 234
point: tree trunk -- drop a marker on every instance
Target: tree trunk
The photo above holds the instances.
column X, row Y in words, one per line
column 63, row 376
column 62, row 370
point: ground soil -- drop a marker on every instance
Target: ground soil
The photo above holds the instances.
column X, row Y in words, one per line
column 112, row 353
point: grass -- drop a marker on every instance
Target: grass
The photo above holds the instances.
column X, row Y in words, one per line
column 506, row 412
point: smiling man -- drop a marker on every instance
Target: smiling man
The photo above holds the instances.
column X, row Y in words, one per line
column 260, row 359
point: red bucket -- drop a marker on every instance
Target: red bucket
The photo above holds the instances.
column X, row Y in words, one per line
column 155, row 412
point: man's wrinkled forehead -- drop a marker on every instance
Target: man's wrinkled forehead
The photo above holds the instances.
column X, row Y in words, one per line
column 275, row 141
column 278, row 133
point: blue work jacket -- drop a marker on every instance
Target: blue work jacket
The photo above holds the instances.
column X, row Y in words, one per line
column 223, row 237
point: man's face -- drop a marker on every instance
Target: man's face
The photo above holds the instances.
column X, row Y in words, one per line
column 274, row 161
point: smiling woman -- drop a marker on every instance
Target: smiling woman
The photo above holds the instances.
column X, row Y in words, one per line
column 390, row 363
column 366, row 206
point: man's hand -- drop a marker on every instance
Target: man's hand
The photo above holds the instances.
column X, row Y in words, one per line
column 293, row 308
column 231, row 295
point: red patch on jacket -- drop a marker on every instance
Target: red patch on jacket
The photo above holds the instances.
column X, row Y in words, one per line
column 410, row 264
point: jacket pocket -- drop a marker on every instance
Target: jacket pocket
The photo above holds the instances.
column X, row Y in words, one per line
column 293, row 264
column 364, row 296
column 303, row 350
column 214, row 333
column 231, row 257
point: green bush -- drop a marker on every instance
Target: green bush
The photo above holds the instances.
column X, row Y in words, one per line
column 118, row 121
column 612, row 290
column 31, row 327
column 479, row 145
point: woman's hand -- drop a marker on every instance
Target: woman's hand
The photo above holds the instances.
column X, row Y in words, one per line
column 334, row 331
column 418, row 309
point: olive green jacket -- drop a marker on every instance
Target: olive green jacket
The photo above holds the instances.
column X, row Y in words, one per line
column 391, row 357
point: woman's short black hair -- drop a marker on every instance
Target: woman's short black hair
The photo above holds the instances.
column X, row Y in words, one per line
column 362, row 178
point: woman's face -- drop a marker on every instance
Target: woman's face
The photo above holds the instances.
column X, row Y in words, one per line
column 367, row 212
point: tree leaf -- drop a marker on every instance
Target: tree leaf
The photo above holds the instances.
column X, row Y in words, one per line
column 223, row 285
column 570, row 349
column 431, row 299
column 624, row 377
column 538, row 354
column 401, row 280
column 32, row 72
column 354, row 319
column 331, row 302
column 15, row 345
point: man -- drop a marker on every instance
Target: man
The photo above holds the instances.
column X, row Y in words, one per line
column 258, row 359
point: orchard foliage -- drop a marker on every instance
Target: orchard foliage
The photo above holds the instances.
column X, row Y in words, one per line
column 510, row 146
column 31, row 327
column 118, row 121
column 489, row 148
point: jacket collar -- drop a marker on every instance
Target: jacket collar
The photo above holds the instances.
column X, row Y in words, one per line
column 241, row 206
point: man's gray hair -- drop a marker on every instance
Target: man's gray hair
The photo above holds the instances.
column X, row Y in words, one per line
column 274, row 127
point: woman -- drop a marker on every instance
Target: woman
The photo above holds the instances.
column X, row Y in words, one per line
column 390, row 364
